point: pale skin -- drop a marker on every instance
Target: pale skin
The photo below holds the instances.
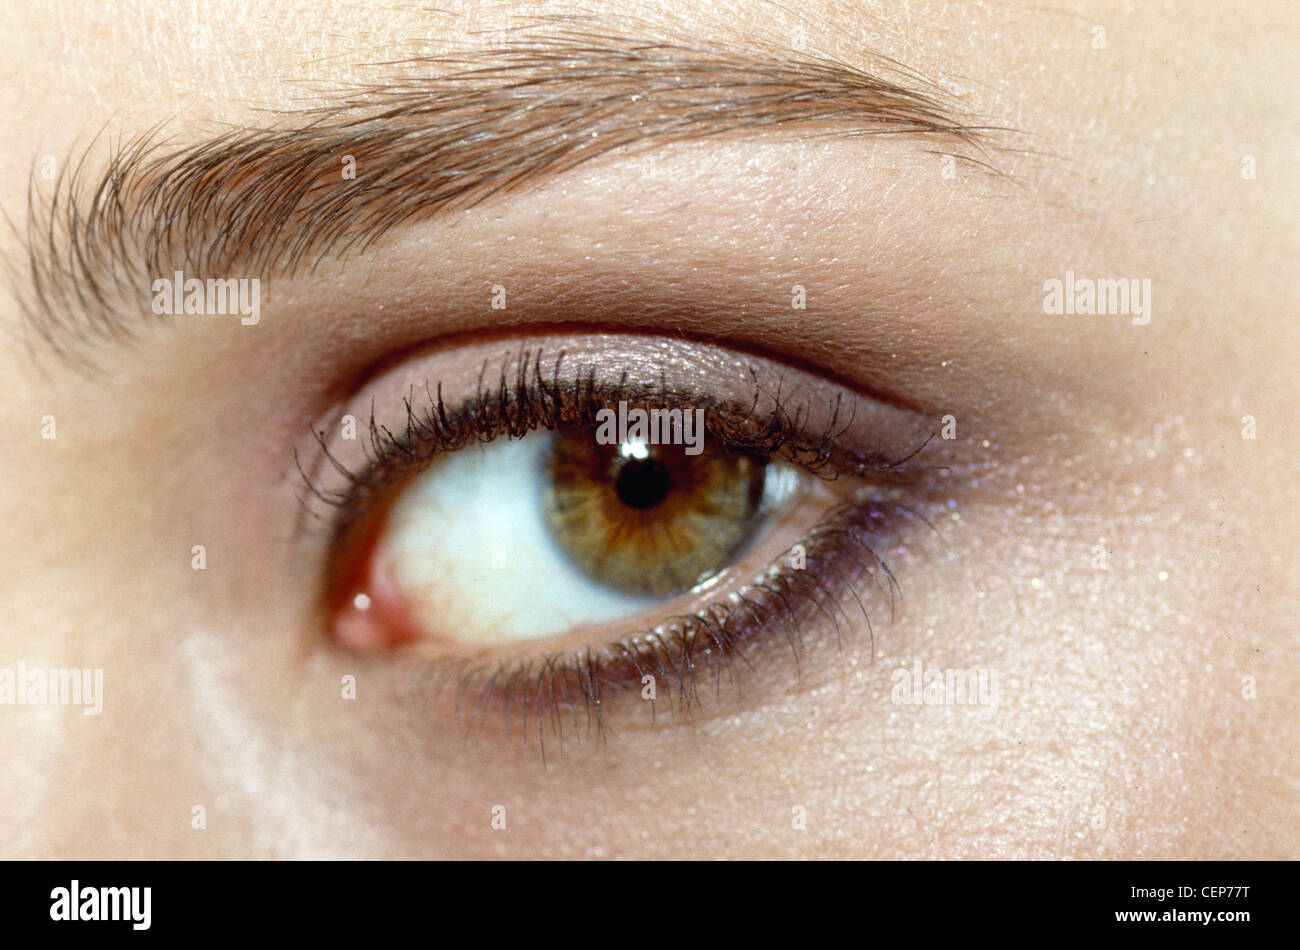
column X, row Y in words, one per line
column 1125, row 562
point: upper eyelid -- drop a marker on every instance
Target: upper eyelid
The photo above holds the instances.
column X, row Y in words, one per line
column 104, row 236
column 853, row 433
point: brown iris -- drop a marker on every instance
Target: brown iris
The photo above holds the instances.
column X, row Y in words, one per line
column 648, row 519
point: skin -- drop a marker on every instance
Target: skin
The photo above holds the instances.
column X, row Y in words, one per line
column 1146, row 710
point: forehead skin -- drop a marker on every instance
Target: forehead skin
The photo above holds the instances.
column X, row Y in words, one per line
column 1148, row 710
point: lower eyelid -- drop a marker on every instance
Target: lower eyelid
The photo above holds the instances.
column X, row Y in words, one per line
column 701, row 665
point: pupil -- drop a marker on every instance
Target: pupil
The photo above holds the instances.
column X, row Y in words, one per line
column 642, row 483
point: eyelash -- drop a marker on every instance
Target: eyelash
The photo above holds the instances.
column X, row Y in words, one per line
column 525, row 396
column 561, row 689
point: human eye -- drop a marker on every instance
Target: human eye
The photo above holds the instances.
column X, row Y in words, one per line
column 556, row 527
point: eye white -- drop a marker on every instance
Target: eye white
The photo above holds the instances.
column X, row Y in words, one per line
column 472, row 554
column 469, row 547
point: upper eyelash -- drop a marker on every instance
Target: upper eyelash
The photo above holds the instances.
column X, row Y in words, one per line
column 522, row 398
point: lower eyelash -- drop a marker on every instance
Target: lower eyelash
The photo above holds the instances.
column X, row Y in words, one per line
column 545, row 699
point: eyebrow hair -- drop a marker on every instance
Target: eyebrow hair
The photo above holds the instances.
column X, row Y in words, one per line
column 444, row 132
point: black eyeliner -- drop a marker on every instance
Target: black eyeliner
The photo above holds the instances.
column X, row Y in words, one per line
column 571, row 692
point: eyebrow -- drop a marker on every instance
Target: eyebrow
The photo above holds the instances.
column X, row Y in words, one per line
column 440, row 133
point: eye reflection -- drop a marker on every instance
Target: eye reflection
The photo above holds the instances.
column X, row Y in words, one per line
column 529, row 538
